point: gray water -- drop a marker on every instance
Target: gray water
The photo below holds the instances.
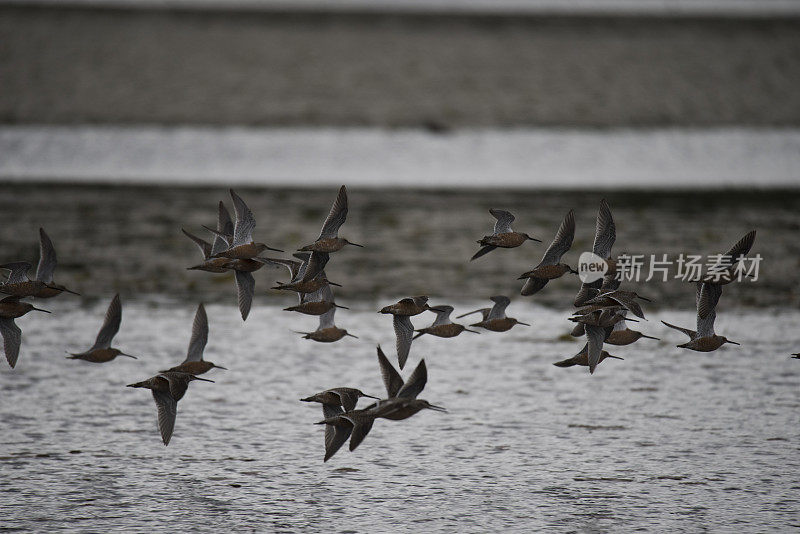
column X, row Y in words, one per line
column 666, row 440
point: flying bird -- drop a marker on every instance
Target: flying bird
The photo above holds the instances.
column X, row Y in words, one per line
column 551, row 267
column 503, row 236
column 194, row 363
column 102, row 351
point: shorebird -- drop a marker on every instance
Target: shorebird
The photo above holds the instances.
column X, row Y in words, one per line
column 704, row 339
column 550, row 267
column 10, row 309
column 443, row 326
column 316, row 303
column 724, row 271
column 223, row 236
column 402, row 311
column 604, row 236
column 194, row 363
column 622, row 335
column 603, row 317
column 310, row 276
column 327, row 332
column 502, row 236
column 592, row 352
column 329, row 240
column 616, row 298
column 167, row 388
column 582, row 358
column 102, row 351
column 400, row 404
column 494, row 318
column 242, row 245
column 19, row 285
column 344, row 397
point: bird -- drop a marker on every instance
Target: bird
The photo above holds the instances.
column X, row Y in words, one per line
column 616, row 298
column 494, row 318
column 102, row 351
column 582, row 358
column 603, row 317
column 223, row 235
column 310, row 276
column 11, row 308
column 502, row 236
column 443, row 326
column 400, row 404
column 327, row 332
column 550, row 267
column 329, row 240
column 622, row 335
column 402, row 311
column 194, row 363
column 604, row 236
column 242, row 245
column 704, row 339
column 592, row 353
column 316, row 303
column 19, row 285
column 343, row 396
column 167, row 388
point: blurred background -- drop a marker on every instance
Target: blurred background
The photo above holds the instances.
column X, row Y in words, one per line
column 457, row 102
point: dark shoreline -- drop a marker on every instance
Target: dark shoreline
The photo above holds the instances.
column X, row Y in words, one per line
column 118, row 65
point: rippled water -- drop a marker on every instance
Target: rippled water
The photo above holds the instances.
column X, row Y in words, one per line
column 665, row 440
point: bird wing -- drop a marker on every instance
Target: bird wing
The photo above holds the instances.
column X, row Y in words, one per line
column 605, row 232
column 391, row 378
column 484, row 311
column 315, row 265
column 595, row 336
column 19, row 271
column 326, row 319
column 442, row 314
column 245, row 222
column 504, row 220
column 361, row 427
column 562, row 242
column 167, row 410
column 706, row 308
column 205, row 246
column 245, row 287
column 224, row 226
column 197, row 343
column 691, row 333
column 110, row 325
column 533, row 285
column 47, row 258
column 348, row 399
column 415, row 383
column 336, row 217
column 12, row 339
column 741, row 248
column 404, row 331
column 498, row 311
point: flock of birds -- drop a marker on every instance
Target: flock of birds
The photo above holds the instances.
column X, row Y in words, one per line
column 601, row 314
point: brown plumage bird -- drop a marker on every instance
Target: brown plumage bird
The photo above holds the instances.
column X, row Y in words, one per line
column 704, row 339
column 194, row 363
column 102, row 351
column 11, row 308
column 167, row 388
column 402, row 312
column 502, row 236
column 494, row 318
column 551, row 267
column 443, row 326
column 329, row 240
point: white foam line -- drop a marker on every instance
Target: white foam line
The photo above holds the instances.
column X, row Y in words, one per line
column 526, row 158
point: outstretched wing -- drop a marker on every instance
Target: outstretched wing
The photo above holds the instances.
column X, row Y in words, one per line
column 12, row 339
column 19, row 271
column 404, row 331
column 595, row 336
column 224, row 226
column 245, row 222
column 605, row 232
column 415, row 383
column 504, row 220
column 110, row 324
column 562, row 242
column 47, row 258
column 336, row 217
column 245, row 288
column 498, row 311
column 391, row 378
column 202, row 244
column 326, row 319
column 167, row 410
column 199, row 338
